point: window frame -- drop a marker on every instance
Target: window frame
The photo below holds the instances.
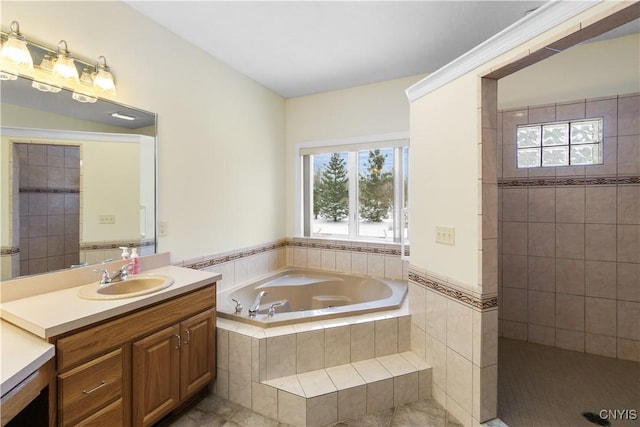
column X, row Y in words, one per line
column 304, row 177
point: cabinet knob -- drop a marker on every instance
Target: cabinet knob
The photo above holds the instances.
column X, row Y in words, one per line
column 188, row 340
column 179, row 344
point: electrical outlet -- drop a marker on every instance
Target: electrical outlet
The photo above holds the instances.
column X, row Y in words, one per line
column 446, row 235
column 106, row 219
column 163, row 229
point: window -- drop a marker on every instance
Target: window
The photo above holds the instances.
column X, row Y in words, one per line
column 560, row 144
column 355, row 191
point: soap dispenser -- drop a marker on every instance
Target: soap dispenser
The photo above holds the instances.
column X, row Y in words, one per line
column 125, row 253
column 135, row 259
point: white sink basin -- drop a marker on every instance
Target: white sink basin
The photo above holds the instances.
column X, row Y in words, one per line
column 134, row 286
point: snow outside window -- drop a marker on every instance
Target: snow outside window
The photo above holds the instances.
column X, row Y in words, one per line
column 356, row 192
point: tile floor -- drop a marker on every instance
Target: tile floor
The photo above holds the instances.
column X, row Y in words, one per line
column 213, row 411
column 539, row 386
column 542, row 386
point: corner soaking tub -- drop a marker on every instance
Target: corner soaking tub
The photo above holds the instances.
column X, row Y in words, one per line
column 304, row 295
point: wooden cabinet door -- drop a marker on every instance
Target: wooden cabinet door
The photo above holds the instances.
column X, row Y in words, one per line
column 156, row 375
column 198, row 352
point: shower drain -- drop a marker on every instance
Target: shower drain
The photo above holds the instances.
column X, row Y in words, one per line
column 596, row 419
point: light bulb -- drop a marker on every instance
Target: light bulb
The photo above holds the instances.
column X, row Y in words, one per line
column 103, row 79
column 15, row 50
column 64, row 67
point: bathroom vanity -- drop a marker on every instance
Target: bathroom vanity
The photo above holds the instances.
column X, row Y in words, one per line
column 124, row 361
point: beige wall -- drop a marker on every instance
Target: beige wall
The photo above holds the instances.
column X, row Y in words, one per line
column 443, row 186
column 374, row 109
column 589, row 70
column 220, row 134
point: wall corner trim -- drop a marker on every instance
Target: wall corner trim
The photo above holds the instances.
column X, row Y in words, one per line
column 543, row 19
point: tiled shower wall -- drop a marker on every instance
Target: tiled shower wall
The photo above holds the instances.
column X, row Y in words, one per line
column 569, row 245
column 49, row 206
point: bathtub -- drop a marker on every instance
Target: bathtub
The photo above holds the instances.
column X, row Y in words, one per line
column 305, row 295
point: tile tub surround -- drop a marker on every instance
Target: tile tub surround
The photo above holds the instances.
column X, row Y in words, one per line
column 321, row 372
column 455, row 330
column 343, row 256
column 570, row 237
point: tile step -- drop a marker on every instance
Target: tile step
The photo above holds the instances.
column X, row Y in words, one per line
column 337, row 393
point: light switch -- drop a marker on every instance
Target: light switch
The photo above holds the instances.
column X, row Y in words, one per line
column 163, row 229
column 445, row 235
column 106, row 219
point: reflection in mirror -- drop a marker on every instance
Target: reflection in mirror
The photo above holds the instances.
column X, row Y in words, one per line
column 78, row 180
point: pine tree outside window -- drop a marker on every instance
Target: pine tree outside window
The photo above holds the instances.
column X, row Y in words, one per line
column 357, row 192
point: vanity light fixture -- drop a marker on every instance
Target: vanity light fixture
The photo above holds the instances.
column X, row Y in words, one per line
column 64, row 67
column 15, row 51
column 86, row 76
column 122, row 116
column 102, row 78
column 46, row 65
column 85, row 99
column 57, row 69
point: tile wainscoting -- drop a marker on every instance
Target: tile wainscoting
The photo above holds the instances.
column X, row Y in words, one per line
column 456, row 331
column 242, row 265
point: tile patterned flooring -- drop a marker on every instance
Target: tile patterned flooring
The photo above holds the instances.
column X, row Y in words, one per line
column 213, row 411
column 539, row 386
column 542, row 386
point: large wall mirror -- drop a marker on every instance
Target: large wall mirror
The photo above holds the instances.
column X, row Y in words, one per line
column 78, row 180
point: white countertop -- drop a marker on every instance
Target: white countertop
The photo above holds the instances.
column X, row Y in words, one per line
column 24, row 348
column 21, row 353
column 54, row 313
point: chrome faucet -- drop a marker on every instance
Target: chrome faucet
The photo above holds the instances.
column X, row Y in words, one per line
column 272, row 308
column 238, row 308
column 105, row 277
column 253, row 310
column 123, row 273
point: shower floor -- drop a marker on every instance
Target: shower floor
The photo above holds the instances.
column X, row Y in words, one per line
column 540, row 386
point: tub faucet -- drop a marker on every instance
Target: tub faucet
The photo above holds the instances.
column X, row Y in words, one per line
column 272, row 308
column 253, row 310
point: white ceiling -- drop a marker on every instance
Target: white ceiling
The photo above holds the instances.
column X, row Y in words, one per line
column 302, row 47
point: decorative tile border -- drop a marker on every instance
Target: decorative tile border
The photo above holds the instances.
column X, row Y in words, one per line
column 552, row 182
column 49, row 190
column 308, row 243
column 347, row 245
column 116, row 245
column 234, row 256
column 9, row 251
column 467, row 298
column 91, row 246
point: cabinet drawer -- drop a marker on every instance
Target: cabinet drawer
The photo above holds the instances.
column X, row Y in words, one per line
column 108, row 416
column 85, row 389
